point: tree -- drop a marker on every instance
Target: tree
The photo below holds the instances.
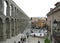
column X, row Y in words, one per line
column 46, row 40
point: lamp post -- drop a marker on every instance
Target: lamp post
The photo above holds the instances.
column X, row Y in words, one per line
column 55, row 24
column 55, row 27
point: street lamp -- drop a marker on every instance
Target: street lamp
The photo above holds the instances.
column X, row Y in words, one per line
column 54, row 28
column 55, row 24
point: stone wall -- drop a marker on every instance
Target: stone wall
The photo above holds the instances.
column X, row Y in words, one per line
column 12, row 20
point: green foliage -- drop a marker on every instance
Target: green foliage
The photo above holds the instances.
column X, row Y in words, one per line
column 46, row 40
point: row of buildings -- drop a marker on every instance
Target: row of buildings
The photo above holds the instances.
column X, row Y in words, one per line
column 53, row 22
column 37, row 22
column 13, row 21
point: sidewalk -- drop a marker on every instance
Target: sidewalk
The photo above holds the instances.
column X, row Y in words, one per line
column 13, row 39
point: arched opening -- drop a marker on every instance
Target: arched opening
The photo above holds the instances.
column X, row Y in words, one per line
column 15, row 27
column 15, row 11
column 12, row 27
column 1, row 30
column 5, row 7
column 11, row 10
column 7, row 27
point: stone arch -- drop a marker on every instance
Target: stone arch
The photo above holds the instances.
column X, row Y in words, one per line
column 18, row 26
column 1, row 30
column 15, row 20
column 12, row 27
column 15, row 11
column 15, row 27
column 7, row 28
column 5, row 7
column 11, row 10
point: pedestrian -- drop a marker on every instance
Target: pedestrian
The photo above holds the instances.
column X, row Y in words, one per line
column 19, row 42
column 14, row 41
column 21, row 39
column 27, row 34
column 34, row 35
column 38, row 41
column 31, row 31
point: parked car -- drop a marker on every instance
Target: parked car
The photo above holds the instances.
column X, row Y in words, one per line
column 37, row 34
column 43, row 31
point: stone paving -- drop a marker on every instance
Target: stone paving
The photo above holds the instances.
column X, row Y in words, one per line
column 13, row 39
column 34, row 40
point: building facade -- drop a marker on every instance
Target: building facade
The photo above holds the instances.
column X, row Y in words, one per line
column 38, row 22
column 34, row 21
column 12, row 20
column 42, row 22
column 54, row 17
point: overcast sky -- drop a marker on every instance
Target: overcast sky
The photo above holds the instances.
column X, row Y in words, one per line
column 36, row 8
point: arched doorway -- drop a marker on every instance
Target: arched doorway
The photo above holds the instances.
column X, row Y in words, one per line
column 1, row 30
column 7, row 27
column 12, row 27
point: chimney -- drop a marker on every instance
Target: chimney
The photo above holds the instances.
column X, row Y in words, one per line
column 51, row 9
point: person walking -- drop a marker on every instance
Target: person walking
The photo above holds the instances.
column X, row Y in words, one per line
column 27, row 34
column 38, row 41
column 19, row 42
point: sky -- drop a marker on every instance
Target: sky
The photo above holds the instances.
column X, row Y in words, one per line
column 36, row 8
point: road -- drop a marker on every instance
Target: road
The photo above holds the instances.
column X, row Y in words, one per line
column 34, row 40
